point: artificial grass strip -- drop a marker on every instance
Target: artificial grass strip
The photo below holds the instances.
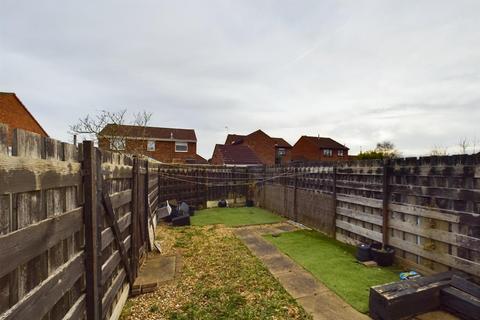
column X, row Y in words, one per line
column 234, row 217
column 334, row 264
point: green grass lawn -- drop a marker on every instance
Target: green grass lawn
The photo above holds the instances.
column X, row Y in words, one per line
column 234, row 217
column 334, row 264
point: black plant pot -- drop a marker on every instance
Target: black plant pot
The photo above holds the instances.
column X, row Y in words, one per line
column 249, row 203
column 383, row 257
column 222, row 203
column 363, row 252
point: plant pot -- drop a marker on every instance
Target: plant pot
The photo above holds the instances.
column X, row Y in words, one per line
column 383, row 257
column 363, row 252
column 249, row 203
column 222, row 203
column 374, row 247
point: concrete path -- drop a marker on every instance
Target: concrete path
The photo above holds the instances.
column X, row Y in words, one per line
column 310, row 293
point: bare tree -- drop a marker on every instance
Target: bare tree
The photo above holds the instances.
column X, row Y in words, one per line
column 464, row 145
column 438, row 151
column 114, row 127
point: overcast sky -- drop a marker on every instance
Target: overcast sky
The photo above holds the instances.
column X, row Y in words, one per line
column 356, row 71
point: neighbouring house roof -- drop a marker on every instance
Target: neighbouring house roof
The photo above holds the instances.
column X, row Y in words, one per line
column 322, row 142
column 238, row 138
column 237, row 154
column 281, row 143
column 200, row 160
column 234, row 138
column 10, row 101
column 149, row 132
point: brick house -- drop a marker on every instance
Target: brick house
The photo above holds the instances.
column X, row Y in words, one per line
column 168, row 145
column 269, row 150
column 318, row 149
column 14, row 114
column 234, row 155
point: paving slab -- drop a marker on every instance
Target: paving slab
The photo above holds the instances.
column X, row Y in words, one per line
column 156, row 270
column 300, row 284
column 278, row 264
column 243, row 233
column 327, row 306
column 260, row 247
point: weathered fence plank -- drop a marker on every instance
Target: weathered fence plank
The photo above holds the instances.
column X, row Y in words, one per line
column 40, row 300
column 22, row 245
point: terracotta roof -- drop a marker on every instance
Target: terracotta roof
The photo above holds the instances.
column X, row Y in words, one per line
column 11, row 100
column 150, row 132
column 323, row 142
column 281, row 143
column 237, row 154
column 238, row 138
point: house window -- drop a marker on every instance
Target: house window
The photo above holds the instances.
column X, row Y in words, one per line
column 181, row 147
column 281, row 151
column 117, row 144
column 327, row 152
column 151, row 145
column 340, row 153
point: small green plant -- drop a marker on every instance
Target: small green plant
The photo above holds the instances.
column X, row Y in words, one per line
column 154, row 308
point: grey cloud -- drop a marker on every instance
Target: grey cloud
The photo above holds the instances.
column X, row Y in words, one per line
column 355, row 71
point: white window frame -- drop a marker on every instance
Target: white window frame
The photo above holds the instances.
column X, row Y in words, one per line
column 150, row 145
column 281, row 151
column 117, row 144
column 183, row 144
column 340, row 153
column 328, row 152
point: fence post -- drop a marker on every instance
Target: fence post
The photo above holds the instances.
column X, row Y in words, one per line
column 92, row 234
column 264, row 186
column 295, row 212
column 385, row 200
column 234, row 186
column 135, row 248
column 334, row 201
column 146, row 216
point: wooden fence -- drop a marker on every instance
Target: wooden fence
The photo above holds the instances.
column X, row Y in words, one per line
column 74, row 227
column 75, row 223
column 427, row 208
column 198, row 184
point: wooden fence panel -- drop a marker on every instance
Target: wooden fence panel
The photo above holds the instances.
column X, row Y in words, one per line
column 196, row 185
column 359, row 205
column 434, row 205
column 42, row 209
column 116, row 229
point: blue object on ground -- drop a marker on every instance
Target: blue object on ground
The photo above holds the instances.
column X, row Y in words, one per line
column 409, row 275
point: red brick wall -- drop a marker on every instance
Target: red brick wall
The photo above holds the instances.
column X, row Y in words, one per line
column 217, row 158
column 13, row 114
column 262, row 145
column 164, row 150
column 287, row 157
column 305, row 150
